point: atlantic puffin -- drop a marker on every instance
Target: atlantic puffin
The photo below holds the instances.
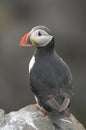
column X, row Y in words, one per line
column 50, row 76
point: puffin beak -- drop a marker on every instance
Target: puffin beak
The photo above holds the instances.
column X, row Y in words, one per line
column 25, row 40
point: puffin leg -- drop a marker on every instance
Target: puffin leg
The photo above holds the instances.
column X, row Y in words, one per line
column 37, row 105
column 44, row 113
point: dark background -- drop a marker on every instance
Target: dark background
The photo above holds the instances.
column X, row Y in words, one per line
column 67, row 20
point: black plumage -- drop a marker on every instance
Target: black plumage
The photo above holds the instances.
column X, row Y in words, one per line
column 51, row 80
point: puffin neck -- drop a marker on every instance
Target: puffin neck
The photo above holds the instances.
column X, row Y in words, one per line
column 47, row 48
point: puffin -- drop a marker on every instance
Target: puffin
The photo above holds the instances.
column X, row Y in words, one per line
column 50, row 76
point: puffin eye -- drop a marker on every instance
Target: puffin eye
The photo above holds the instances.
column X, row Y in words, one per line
column 39, row 34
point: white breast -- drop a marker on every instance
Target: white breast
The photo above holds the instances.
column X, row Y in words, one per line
column 31, row 64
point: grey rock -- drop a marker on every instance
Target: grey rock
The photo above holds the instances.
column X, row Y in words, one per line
column 31, row 118
column 1, row 113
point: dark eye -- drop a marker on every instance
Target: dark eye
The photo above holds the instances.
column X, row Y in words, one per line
column 39, row 34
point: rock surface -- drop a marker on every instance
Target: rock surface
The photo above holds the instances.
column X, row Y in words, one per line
column 30, row 118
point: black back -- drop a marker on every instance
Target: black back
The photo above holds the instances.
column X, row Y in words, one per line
column 50, row 75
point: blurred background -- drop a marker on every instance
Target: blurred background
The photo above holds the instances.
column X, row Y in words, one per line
column 67, row 20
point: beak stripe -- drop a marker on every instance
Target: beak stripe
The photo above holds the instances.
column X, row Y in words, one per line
column 23, row 41
column 26, row 40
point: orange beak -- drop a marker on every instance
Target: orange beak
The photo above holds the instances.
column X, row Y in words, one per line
column 25, row 40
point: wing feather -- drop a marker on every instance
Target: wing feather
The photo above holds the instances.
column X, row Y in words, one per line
column 51, row 102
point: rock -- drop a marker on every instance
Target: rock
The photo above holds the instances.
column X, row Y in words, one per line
column 1, row 114
column 30, row 118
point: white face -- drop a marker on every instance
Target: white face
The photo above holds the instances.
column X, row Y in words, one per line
column 41, row 37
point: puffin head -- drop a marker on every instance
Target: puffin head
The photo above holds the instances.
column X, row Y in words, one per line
column 39, row 35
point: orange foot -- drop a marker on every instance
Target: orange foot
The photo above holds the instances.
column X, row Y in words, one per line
column 44, row 113
column 38, row 107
